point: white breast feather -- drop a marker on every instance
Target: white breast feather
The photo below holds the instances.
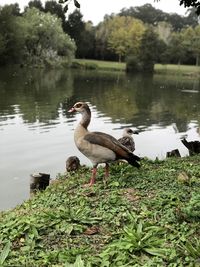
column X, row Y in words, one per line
column 96, row 153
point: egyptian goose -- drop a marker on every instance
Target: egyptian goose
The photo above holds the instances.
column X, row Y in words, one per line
column 127, row 139
column 97, row 146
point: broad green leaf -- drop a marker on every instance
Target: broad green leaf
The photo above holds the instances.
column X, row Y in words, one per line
column 69, row 229
column 5, row 252
column 161, row 252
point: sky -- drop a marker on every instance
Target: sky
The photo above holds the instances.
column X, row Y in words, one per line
column 95, row 10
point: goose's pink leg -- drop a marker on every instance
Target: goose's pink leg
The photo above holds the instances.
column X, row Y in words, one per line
column 93, row 177
column 106, row 174
column 106, row 170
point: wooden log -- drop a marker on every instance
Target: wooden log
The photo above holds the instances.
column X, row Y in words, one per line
column 173, row 153
column 193, row 146
column 39, row 182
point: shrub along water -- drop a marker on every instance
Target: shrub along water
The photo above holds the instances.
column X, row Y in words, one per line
column 145, row 217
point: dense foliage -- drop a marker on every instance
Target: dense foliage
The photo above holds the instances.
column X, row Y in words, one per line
column 147, row 217
column 121, row 41
column 117, row 37
column 32, row 38
column 186, row 3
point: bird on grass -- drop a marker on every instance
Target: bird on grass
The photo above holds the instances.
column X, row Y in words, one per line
column 72, row 164
column 99, row 147
column 127, row 139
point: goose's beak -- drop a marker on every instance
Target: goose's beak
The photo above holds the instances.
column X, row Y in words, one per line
column 72, row 109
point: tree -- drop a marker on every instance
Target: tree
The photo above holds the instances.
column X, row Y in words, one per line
column 11, row 34
column 75, row 27
column 55, row 9
column 102, row 33
column 186, row 3
column 191, row 3
column 192, row 41
column 192, row 18
column 150, row 15
column 164, row 31
column 124, row 35
column 35, row 3
column 147, row 13
column 45, row 39
column 196, row 44
column 149, row 49
column 86, row 47
column 178, row 22
column 176, row 49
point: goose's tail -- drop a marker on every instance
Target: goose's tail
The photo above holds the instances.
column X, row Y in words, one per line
column 133, row 160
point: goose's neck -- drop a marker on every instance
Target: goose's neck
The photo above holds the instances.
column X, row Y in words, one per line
column 81, row 129
column 86, row 117
column 127, row 135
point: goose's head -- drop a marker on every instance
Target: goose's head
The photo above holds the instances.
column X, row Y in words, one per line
column 129, row 132
column 79, row 107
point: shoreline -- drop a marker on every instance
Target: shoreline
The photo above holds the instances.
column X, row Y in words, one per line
column 67, row 221
column 166, row 69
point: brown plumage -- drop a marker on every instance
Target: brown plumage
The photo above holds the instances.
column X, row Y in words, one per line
column 99, row 147
column 72, row 164
column 127, row 139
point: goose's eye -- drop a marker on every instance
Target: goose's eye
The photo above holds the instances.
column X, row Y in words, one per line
column 78, row 105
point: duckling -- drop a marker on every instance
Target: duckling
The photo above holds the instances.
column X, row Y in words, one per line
column 127, row 139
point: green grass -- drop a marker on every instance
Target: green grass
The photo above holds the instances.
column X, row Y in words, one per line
column 159, row 68
column 103, row 65
column 146, row 217
column 177, row 69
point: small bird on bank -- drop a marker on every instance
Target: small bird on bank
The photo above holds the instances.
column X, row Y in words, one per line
column 127, row 139
column 72, row 164
column 99, row 147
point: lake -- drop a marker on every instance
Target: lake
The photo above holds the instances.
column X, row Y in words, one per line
column 36, row 131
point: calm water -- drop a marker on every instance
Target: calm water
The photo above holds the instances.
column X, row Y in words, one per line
column 36, row 132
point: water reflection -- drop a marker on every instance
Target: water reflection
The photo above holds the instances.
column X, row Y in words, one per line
column 36, row 132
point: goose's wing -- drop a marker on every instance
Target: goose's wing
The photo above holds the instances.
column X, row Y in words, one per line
column 108, row 141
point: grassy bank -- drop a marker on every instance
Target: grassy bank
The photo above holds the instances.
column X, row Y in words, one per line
column 159, row 68
column 98, row 64
column 146, row 217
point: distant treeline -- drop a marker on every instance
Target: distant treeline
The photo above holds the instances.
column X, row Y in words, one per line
column 140, row 36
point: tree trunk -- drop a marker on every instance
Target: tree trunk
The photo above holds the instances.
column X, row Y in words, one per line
column 197, row 60
column 173, row 153
column 39, row 182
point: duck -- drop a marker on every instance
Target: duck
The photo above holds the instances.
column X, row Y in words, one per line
column 98, row 147
column 127, row 139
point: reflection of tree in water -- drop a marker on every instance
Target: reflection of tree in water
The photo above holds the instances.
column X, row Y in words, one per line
column 129, row 99
column 109, row 93
column 37, row 93
column 139, row 99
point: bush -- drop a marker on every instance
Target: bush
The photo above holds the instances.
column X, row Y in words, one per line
column 91, row 66
column 133, row 64
column 82, row 65
column 77, row 65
